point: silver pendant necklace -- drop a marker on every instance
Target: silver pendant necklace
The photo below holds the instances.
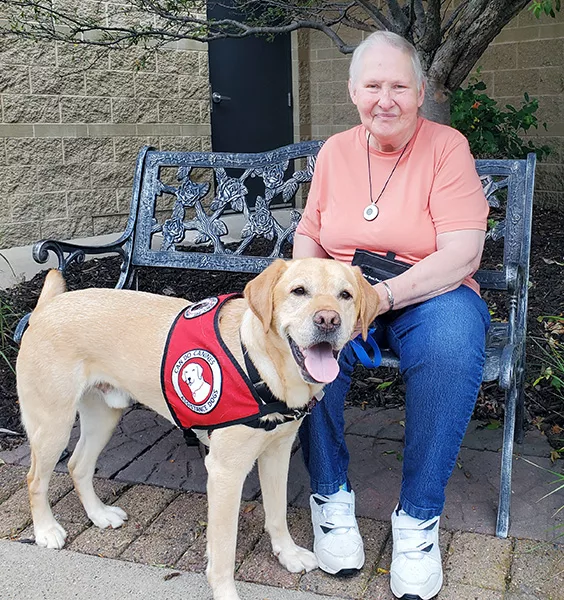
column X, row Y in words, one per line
column 372, row 210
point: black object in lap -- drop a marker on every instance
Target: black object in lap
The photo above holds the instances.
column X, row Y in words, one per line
column 376, row 268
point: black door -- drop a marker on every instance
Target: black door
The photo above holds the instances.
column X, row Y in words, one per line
column 251, row 84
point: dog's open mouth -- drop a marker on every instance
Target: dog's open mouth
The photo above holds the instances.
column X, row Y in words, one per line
column 318, row 363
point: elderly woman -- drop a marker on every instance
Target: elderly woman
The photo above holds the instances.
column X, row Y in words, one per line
column 399, row 183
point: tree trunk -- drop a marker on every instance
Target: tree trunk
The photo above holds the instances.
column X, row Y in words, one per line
column 436, row 106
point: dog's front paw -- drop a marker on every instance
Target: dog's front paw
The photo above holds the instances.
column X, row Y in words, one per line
column 225, row 592
column 108, row 516
column 297, row 559
column 50, row 536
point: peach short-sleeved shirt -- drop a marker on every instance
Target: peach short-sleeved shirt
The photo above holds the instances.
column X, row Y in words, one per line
column 434, row 189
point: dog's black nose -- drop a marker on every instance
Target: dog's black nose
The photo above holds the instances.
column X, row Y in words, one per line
column 327, row 320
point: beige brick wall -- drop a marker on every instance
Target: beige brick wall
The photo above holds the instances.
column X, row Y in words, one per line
column 528, row 56
column 331, row 109
column 71, row 127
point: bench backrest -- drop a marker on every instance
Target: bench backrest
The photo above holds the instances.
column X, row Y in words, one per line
column 199, row 204
column 201, row 193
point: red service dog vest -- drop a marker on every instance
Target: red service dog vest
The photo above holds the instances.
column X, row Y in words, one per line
column 202, row 384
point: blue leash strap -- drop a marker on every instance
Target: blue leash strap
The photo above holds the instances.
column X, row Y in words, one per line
column 367, row 352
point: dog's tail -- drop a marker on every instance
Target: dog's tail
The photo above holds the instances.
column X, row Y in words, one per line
column 53, row 286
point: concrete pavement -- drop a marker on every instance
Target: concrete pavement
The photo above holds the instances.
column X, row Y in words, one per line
column 36, row 574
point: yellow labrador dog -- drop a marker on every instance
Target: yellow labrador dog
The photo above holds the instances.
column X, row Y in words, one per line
column 94, row 351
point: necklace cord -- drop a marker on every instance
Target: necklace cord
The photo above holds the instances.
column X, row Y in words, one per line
column 372, row 201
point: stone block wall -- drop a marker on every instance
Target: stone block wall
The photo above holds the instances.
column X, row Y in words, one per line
column 527, row 56
column 72, row 122
column 331, row 107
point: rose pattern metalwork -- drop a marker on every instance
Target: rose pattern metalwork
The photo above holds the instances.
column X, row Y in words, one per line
column 490, row 187
column 273, row 175
column 231, row 193
column 260, row 222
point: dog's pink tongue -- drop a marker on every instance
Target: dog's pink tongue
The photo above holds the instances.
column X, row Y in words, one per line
column 321, row 364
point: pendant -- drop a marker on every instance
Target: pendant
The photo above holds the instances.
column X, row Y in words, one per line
column 371, row 212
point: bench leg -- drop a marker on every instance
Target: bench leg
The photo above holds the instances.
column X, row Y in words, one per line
column 128, row 278
column 520, row 408
column 511, row 396
column 520, row 418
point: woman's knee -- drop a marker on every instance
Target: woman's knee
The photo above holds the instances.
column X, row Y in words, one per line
column 447, row 332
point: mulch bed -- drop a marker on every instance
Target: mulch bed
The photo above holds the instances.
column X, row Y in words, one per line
column 382, row 387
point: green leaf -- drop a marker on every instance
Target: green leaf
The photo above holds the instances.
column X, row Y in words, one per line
column 384, row 385
column 493, row 424
column 491, row 131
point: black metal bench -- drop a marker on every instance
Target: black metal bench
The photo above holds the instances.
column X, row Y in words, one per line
column 176, row 196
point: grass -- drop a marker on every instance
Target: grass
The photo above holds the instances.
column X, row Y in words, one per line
column 551, row 360
column 559, row 480
column 8, row 321
column 551, row 354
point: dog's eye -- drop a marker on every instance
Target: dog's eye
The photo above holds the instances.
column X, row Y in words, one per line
column 299, row 291
column 345, row 295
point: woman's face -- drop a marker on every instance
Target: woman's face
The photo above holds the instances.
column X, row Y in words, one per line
column 387, row 97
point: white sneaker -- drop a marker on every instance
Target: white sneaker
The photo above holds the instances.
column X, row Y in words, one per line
column 337, row 543
column 416, row 572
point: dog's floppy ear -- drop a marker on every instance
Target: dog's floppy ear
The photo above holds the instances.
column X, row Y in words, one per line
column 368, row 302
column 259, row 292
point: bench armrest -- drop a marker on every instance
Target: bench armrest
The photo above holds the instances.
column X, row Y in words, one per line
column 68, row 253
column 509, row 362
column 514, row 278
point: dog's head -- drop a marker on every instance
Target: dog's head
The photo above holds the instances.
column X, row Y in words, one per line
column 192, row 373
column 313, row 304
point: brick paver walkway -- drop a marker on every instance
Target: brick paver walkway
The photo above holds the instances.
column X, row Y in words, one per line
column 150, row 473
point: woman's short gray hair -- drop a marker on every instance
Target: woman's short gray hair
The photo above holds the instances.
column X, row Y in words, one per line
column 394, row 40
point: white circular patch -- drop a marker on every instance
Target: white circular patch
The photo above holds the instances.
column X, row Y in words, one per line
column 196, row 377
column 201, row 307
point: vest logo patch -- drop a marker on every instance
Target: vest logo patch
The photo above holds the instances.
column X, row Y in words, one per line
column 201, row 307
column 196, row 378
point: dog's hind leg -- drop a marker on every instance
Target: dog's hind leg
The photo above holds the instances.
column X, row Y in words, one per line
column 273, row 466
column 47, row 440
column 97, row 423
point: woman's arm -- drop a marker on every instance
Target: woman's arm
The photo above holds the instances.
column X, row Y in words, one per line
column 305, row 247
column 457, row 256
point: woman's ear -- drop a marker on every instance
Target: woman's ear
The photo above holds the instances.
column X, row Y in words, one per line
column 421, row 97
column 352, row 91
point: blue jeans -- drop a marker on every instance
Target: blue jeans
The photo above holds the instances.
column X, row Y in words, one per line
column 440, row 344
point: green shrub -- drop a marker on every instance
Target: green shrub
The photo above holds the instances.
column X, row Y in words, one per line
column 551, row 354
column 491, row 131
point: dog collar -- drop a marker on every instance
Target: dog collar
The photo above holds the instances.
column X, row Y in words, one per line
column 270, row 404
